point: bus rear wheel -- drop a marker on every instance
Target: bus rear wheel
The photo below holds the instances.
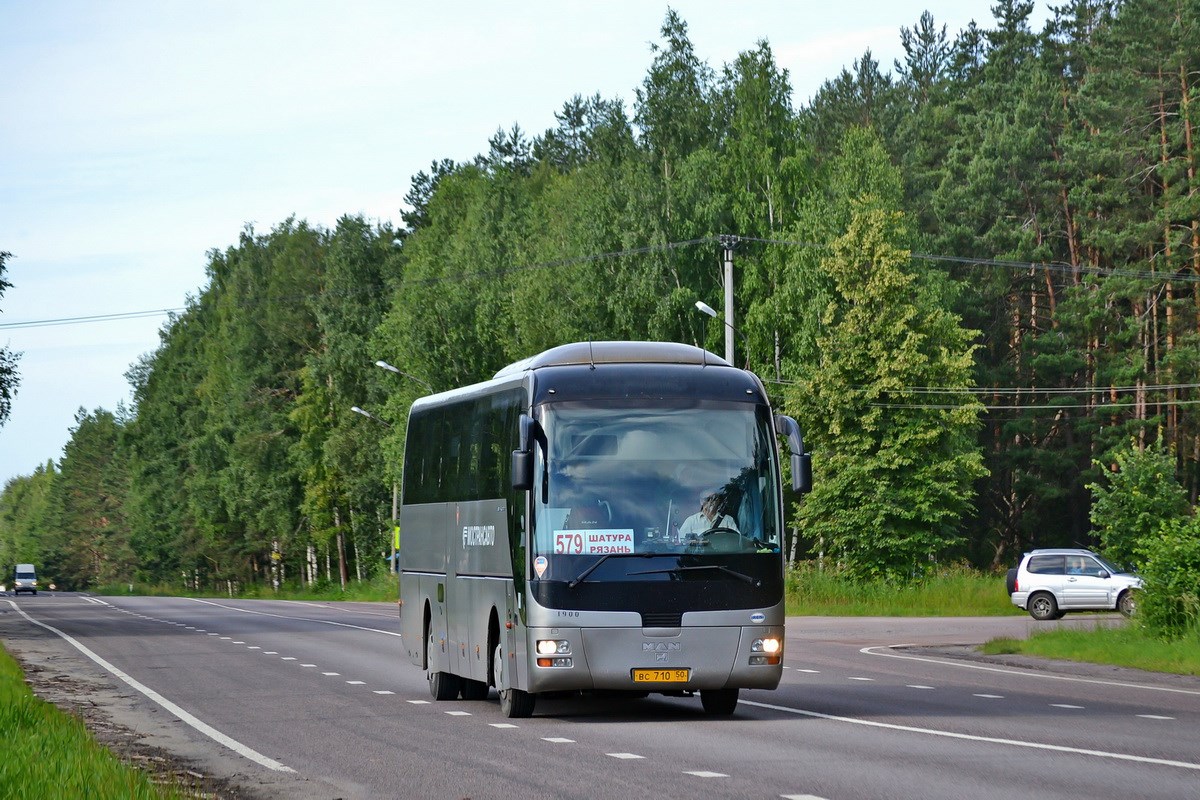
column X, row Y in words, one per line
column 514, row 703
column 719, row 702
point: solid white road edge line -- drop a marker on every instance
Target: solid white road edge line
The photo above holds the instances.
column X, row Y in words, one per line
column 184, row 716
column 1024, row 673
column 1057, row 748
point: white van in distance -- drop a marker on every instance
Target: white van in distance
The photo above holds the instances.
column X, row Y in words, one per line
column 25, row 579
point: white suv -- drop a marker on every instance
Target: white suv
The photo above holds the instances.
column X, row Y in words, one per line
column 1049, row 583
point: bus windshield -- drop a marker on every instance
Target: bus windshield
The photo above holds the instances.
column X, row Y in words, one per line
column 685, row 477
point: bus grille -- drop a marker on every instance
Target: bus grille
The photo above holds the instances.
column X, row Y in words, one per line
column 658, row 619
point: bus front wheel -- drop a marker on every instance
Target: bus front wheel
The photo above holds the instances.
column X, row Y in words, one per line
column 514, row 703
column 442, row 685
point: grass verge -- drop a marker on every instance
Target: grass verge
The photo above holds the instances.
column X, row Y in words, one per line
column 1124, row 646
column 51, row 754
column 949, row 592
column 382, row 588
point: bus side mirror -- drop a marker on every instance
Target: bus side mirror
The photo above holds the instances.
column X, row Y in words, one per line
column 522, row 470
column 802, row 472
column 522, row 457
column 802, row 479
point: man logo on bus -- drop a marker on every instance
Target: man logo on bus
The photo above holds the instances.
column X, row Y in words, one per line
column 660, row 647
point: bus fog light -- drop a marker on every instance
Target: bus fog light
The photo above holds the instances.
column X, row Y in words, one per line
column 549, row 647
column 766, row 646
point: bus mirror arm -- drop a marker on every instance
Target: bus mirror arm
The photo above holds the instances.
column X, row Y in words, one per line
column 801, row 461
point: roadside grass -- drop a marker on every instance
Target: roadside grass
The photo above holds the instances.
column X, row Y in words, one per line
column 1124, row 646
column 949, row 592
column 48, row 753
column 382, row 587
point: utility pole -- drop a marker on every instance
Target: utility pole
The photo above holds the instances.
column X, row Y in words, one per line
column 729, row 242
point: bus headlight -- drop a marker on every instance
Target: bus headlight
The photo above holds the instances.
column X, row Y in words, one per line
column 549, row 647
column 769, row 646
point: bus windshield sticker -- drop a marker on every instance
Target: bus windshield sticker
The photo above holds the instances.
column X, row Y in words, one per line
column 539, row 565
column 593, row 542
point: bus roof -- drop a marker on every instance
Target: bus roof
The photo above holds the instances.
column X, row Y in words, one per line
column 591, row 353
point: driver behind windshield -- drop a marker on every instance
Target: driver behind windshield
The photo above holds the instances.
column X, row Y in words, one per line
column 711, row 515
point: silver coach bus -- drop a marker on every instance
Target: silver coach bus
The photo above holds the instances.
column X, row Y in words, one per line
column 604, row 516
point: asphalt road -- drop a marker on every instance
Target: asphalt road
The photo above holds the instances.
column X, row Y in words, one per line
column 315, row 700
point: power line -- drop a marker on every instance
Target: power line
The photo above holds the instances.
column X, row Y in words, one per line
column 462, row 276
column 1052, row 266
column 48, row 323
column 1049, row 266
column 1013, row 390
column 1099, row 408
column 562, row 262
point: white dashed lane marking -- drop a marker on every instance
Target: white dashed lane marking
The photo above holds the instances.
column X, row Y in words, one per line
column 459, row 713
column 383, row 691
column 552, row 739
column 330, row 673
column 990, row 696
column 918, row 686
column 1154, row 716
column 502, row 725
column 853, row 678
column 1063, row 705
column 705, row 774
column 624, row 755
column 356, row 683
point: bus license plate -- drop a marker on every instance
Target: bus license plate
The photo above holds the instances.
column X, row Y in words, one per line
column 661, row 675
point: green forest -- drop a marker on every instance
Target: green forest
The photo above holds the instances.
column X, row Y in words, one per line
column 973, row 276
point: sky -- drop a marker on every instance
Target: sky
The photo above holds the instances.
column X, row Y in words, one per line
column 138, row 135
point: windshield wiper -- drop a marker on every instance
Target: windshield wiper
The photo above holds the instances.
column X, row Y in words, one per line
column 741, row 576
column 581, row 577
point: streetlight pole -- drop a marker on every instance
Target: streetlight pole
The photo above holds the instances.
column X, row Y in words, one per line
column 705, row 308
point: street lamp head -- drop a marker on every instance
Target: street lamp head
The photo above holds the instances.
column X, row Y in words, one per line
column 390, row 368
column 706, row 308
column 369, row 415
